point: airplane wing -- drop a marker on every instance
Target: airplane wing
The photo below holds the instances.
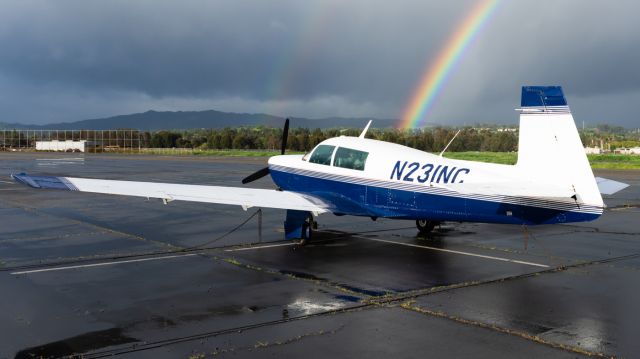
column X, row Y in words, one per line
column 245, row 197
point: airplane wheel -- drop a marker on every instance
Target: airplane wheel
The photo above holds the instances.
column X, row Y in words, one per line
column 307, row 230
column 425, row 226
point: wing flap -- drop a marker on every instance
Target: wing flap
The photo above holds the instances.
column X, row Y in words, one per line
column 245, row 197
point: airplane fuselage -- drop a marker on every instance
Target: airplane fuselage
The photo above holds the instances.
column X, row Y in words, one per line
column 404, row 183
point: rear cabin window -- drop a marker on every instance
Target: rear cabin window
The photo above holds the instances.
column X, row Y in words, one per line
column 352, row 159
column 322, row 155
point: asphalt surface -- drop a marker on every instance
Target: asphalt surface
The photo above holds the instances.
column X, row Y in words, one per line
column 96, row 275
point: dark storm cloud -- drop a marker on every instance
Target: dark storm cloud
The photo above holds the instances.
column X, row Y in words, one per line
column 202, row 47
column 68, row 60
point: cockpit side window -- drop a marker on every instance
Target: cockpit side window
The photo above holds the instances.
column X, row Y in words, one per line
column 352, row 159
column 322, row 155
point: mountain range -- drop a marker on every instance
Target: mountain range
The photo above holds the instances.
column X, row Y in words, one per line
column 183, row 120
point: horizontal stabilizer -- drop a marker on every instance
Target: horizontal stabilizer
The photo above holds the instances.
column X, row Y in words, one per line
column 245, row 197
column 607, row 186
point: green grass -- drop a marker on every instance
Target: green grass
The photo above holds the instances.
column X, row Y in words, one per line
column 505, row 158
column 614, row 161
column 602, row 161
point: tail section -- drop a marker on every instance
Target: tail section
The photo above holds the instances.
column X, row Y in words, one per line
column 549, row 147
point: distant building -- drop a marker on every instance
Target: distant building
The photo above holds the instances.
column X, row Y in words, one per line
column 628, row 151
column 593, row 150
column 64, row 146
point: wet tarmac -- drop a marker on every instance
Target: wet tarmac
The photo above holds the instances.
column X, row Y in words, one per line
column 97, row 276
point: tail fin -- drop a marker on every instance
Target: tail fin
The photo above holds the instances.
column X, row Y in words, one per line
column 549, row 148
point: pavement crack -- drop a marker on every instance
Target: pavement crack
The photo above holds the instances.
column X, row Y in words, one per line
column 410, row 305
column 597, row 230
column 35, row 210
column 265, row 344
column 143, row 346
column 311, row 279
column 427, row 291
column 60, row 236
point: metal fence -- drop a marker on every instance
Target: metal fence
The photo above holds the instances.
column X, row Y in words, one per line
column 97, row 140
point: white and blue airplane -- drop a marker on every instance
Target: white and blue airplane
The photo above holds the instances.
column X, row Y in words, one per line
column 551, row 182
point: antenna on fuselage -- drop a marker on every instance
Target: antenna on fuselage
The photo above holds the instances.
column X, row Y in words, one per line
column 366, row 128
column 447, row 146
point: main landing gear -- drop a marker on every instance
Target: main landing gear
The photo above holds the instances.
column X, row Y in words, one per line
column 308, row 228
column 299, row 225
column 425, row 226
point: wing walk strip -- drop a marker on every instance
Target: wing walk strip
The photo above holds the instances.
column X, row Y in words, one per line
column 565, row 206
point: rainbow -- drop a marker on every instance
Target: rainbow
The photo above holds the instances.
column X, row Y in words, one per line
column 436, row 75
column 296, row 53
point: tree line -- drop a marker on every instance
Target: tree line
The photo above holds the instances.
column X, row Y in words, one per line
column 302, row 139
column 479, row 138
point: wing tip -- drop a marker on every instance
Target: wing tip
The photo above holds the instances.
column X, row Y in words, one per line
column 40, row 182
column 25, row 179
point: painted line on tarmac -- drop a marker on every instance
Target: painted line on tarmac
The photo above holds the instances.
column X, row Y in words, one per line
column 9, row 182
column 101, row 264
column 457, row 252
column 260, row 247
column 61, row 159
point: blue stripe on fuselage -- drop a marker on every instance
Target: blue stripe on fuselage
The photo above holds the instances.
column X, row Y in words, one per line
column 363, row 200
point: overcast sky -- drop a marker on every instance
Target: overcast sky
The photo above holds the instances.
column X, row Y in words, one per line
column 71, row 60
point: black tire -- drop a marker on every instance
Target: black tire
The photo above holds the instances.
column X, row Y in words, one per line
column 307, row 230
column 425, row 226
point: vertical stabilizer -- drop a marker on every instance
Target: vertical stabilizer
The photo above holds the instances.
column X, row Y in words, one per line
column 549, row 147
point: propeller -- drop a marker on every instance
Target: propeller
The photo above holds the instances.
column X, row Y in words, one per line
column 256, row 175
column 285, row 136
column 265, row 171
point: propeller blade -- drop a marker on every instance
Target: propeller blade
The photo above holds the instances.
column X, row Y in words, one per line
column 285, row 135
column 256, row 175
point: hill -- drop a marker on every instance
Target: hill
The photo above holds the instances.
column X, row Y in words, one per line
column 182, row 120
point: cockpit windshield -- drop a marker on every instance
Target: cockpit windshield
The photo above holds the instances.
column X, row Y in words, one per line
column 322, row 155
